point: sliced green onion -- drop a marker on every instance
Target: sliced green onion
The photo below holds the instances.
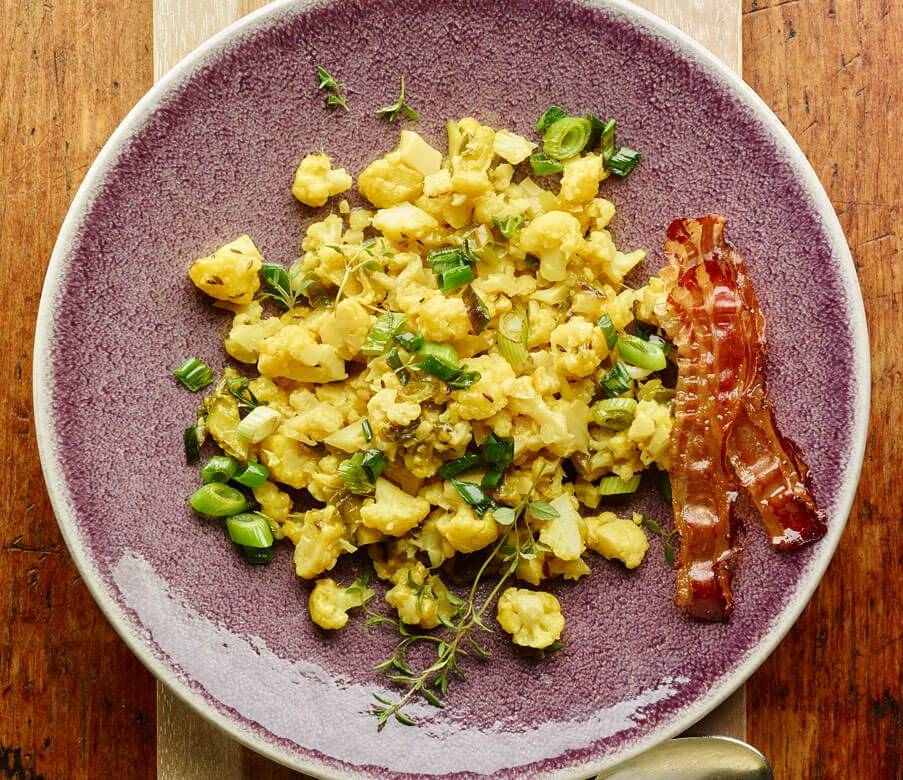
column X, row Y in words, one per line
column 642, row 353
column 513, row 335
column 608, row 329
column 258, row 555
column 566, row 137
column 615, row 414
column 462, row 465
column 194, row 374
column 260, row 423
column 375, row 462
column 393, row 359
column 608, row 140
column 498, row 451
column 380, row 336
column 597, row 126
column 249, row 530
column 454, row 138
column 476, row 310
column 531, row 261
column 277, row 281
column 617, row 380
column 474, row 495
column 492, row 479
column 192, row 445
column 218, row 499
column 508, row 226
column 252, row 475
column 446, row 258
column 464, row 380
column 622, row 161
column 613, row 486
column 368, row 430
column 444, row 352
column 437, row 368
column 550, row 115
column 355, row 476
column 543, row 165
column 410, row 341
column 455, row 278
column 220, row 468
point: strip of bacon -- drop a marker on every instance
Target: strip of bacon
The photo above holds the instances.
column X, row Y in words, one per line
column 711, row 328
column 715, row 321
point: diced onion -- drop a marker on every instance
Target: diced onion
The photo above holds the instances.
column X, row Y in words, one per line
column 613, row 486
column 513, row 335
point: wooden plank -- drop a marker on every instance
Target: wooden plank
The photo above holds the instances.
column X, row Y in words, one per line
column 829, row 701
column 179, row 25
column 74, row 701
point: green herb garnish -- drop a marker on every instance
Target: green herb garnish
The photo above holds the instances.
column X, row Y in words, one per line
column 194, row 374
column 336, row 98
column 398, row 106
column 656, row 529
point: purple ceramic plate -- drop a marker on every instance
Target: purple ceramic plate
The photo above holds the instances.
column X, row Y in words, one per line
column 209, row 153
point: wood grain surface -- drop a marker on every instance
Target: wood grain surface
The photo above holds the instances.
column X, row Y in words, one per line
column 75, row 703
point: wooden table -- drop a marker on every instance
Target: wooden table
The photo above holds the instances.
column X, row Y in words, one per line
column 73, row 700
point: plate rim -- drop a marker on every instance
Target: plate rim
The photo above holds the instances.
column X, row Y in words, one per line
column 202, row 704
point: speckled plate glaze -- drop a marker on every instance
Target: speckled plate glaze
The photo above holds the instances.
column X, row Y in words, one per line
column 209, row 154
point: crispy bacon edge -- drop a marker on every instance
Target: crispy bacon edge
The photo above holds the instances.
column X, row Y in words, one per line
column 768, row 465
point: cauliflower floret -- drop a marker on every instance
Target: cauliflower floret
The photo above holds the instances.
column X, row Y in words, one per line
column 329, row 603
column 230, row 273
column 653, row 299
column 598, row 252
column 350, row 439
column 465, row 531
column 319, row 542
column 421, row 602
column 430, row 540
column 273, row 502
column 315, row 424
column 393, row 512
column 581, row 177
column 531, row 617
column 555, row 238
column 578, row 347
column 569, row 570
column 404, row 221
column 617, row 537
column 599, row 213
column 288, row 460
column 222, row 420
column 248, row 330
column 385, row 410
column 345, row 329
column 651, row 432
column 562, row 534
column 618, row 268
column 438, row 183
column 315, row 181
column 442, row 319
column 512, row 147
column 294, row 353
column 326, row 232
column 487, row 396
column 388, row 181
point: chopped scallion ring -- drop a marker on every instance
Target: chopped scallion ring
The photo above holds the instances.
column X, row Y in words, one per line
column 252, row 475
column 608, row 329
column 462, row 465
column 616, row 414
column 550, row 115
column 513, row 335
column 543, row 165
column 474, row 495
column 387, row 325
column 250, row 530
column 260, row 423
column 443, row 352
column 192, row 445
column 614, row 486
column 622, row 161
column 476, row 309
column 508, row 226
column 617, row 380
column 491, row 479
column 639, row 352
column 455, row 278
column 218, row 499
column 498, row 451
column 566, row 137
column 409, row 341
column 368, row 430
column 220, row 468
column 194, row 374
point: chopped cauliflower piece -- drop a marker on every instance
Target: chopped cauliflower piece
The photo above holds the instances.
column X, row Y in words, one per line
column 578, row 347
column 466, row 531
column 617, row 537
column 293, row 353
column 416, row 153
column 248, row 330
column 562, row 534
column 511, row 147
column 555, row 238
column 329, row 603
column 319, row 544
column 581, row 177
column 393, row 512
column 273, row 502
column 533, row 618
column 230, row 273
column 316, row 181
column 389, row 181
column 404, row 221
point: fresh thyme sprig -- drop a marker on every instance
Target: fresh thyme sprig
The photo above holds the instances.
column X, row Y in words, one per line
column 656, row 529
column 432, row 682
column 352, row 266
column 398, row 106
column 336, row 98
column 283, row 286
